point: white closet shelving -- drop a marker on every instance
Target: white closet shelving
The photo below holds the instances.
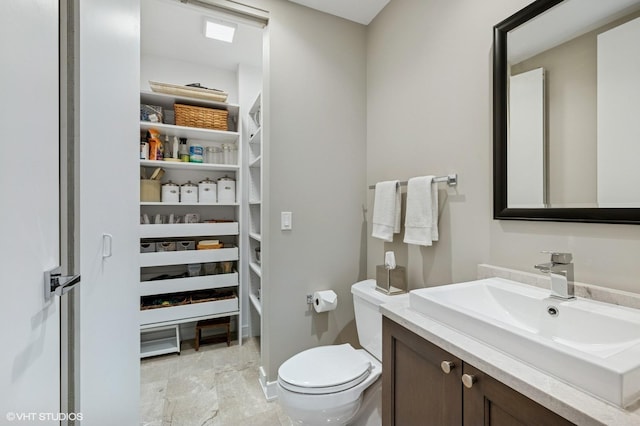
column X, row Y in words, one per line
column 254, row 177
column 164, row 274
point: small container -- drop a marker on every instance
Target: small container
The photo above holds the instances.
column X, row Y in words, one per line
column 234, row 155
column 207, row 192
column 189, row 193
column 257, row 254
column 150, row 190
column 186, row 245
column 210, row 268
column 192, row 218
column 226, row 190
column 147, row 247
column 166, row 246
column 196, row 153
column 217, row 155
column 226, row 154
column 194, row 269
column 144, row 150
column 209, row 155
column 170, row 193
column 183, row 150
column 227, row 267
column 209, row 245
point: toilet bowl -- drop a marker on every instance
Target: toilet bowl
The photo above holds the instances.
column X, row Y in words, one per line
column 326, row 384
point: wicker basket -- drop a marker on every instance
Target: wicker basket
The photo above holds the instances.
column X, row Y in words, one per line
column 204, row 118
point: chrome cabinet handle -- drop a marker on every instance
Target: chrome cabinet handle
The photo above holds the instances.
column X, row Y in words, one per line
column 468, row 380
column 447, row 366
column 57, row 284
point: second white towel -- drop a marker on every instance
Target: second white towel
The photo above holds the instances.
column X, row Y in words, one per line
column 421, row 220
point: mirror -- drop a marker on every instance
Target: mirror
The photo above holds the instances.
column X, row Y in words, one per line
column 566, row 112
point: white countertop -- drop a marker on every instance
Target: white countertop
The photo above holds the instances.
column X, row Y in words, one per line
column 574, row 404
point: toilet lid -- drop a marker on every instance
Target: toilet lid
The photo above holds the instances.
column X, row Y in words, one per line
column 324, row 369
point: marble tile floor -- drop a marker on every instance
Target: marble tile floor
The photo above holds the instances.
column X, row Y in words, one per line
column 216, row 386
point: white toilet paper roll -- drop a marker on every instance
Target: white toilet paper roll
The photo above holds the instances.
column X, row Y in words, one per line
column 324, row 301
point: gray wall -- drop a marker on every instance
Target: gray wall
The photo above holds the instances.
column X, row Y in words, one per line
column 411, row 94
column 315, row 158
column 429, row 112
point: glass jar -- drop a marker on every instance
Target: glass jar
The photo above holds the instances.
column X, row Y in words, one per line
column 234, row 154
column 217, row 155
column 209, row 155
column 226, row 154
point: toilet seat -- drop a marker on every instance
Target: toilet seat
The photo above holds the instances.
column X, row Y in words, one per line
column 324, row 370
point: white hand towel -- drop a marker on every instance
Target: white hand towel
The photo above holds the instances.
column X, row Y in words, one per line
column 421, row 220
column 386, row 210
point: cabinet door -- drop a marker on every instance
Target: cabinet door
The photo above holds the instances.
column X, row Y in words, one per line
column 415, row 390
column 489, row 402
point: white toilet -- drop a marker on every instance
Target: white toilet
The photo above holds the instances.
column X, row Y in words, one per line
column 326, row 384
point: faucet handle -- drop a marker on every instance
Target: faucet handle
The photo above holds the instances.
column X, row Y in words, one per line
column 558, row 257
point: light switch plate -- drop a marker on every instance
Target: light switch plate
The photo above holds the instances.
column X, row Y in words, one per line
column 285, row 221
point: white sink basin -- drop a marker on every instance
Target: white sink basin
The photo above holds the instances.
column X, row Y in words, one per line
column 591, row 345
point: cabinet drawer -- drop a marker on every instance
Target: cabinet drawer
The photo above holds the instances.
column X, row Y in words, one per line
column 187, row 284
column 184, row 312
column 188, row 230
column 188, row 256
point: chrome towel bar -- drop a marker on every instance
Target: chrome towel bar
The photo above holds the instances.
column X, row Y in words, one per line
column 451, row 180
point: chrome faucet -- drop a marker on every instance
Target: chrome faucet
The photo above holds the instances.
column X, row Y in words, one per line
column 560, row 269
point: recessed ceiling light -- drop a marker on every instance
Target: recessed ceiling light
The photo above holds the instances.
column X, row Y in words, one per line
column 219, row 30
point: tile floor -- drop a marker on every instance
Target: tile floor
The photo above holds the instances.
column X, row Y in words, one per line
column 216, row 386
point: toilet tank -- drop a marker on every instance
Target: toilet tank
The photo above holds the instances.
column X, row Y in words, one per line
column 366, row 304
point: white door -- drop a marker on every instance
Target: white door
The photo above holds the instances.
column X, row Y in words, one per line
column 107, row 87
column 29, row 225
column 109, row 98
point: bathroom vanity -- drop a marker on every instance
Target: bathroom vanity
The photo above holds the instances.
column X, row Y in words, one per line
column 437, row 374
column 422, row 381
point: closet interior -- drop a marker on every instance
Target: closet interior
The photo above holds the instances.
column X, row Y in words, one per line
column 201, row 175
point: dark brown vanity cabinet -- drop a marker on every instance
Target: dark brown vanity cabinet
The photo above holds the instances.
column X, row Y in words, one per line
column 424, row 385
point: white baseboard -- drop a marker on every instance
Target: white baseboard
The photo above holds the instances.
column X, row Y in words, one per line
column 268, row 388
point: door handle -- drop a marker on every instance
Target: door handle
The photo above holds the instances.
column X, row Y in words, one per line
column 57, row 284
column 107, row 244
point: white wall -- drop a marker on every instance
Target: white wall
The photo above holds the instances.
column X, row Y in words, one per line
column 429, row 111
column 167, row 70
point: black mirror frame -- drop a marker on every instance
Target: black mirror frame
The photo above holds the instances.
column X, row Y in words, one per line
column 501, row 211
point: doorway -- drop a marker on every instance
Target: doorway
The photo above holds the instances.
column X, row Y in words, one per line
column 175, row 52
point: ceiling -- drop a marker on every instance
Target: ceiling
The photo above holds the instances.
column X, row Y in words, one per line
column 361, row 11
column 169, row 28
column 172, row 29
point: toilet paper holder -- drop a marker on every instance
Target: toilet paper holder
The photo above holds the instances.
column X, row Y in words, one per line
column 323, row 301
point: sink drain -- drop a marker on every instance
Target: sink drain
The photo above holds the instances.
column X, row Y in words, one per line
column 553, row 311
